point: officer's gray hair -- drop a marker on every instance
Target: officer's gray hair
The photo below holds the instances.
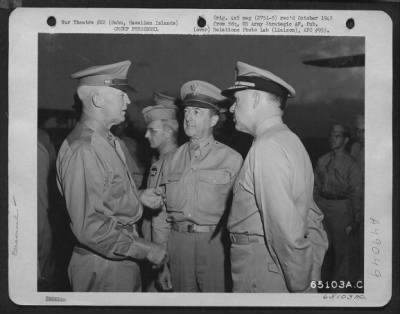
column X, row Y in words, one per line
column 280, row 100
column 86, row 93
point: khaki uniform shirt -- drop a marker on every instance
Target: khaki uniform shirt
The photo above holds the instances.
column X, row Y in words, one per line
column 273, row 197
column 100, row 194
column 197, row 183
column 153, row 181
column 339, row 179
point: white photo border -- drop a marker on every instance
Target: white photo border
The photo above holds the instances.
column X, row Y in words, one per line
column 27, row 23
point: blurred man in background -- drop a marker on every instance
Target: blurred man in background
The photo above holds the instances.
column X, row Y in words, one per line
column 357, row 149
column 162, row 134
column 338, row 184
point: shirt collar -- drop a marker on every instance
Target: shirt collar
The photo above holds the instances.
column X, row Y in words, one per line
column 268, row 124
column 96, row 126
column 172, row 149
column 204, row 145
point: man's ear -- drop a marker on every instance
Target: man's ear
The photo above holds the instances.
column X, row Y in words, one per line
column 214, row 120
column 256, row 99
column 167, row 131
column 97, row 101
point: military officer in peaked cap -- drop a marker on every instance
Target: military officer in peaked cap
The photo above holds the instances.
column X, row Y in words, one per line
column 197, row 180
column 102, row 200
column 162, row 133
column 277, row 239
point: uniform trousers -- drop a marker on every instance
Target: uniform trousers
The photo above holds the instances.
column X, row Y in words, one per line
column 196, row 261
column 149, row 275
column 253, row 269
column 90, row 272
column 337, row 216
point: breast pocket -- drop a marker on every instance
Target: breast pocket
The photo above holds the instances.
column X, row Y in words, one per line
column 114, row 192
column 213, row 188
column 175, row 191
column 215, row 177
column 116, row 187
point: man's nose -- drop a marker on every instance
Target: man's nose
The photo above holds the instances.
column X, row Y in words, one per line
column 146, row 135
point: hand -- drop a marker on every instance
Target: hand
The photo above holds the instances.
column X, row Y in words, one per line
column 164, row 281
column 151, row 198
column 157, row 255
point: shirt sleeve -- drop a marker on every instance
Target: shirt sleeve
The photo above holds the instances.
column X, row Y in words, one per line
column 83, row 188
column 286, row 228
column 236, row 166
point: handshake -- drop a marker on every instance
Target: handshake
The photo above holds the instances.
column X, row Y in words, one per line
column 157, row 255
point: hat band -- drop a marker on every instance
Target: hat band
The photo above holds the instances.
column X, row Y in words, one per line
column 105, row 80
column 116, row 82
column 200, row 98
column 262, row 84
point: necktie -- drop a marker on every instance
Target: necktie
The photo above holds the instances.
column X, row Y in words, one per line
column 194, row 150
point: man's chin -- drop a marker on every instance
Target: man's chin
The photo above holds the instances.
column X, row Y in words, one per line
column 188, row 132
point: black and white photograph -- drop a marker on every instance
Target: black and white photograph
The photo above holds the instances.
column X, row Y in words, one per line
column 200, row 152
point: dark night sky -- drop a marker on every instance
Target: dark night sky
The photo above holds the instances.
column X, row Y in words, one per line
column 165, row 62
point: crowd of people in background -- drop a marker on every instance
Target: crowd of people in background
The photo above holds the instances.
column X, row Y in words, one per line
column 198, row 216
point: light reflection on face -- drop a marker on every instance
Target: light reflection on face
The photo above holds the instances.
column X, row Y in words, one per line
column 242, row 110
column 115, row 104
column 155, row 134
column 198, row 122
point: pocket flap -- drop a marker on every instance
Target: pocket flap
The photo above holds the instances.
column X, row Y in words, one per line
column 171, row 177
column 215, row 177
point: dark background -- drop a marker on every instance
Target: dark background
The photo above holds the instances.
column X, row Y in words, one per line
column 165, row 62
column 392, row 8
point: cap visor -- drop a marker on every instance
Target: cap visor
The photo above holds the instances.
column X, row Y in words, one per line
column 230, row 91
column 125, row 88
column 199, row 104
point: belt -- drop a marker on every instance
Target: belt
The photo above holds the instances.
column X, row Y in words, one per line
column 243, row 238
column 184, row 226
